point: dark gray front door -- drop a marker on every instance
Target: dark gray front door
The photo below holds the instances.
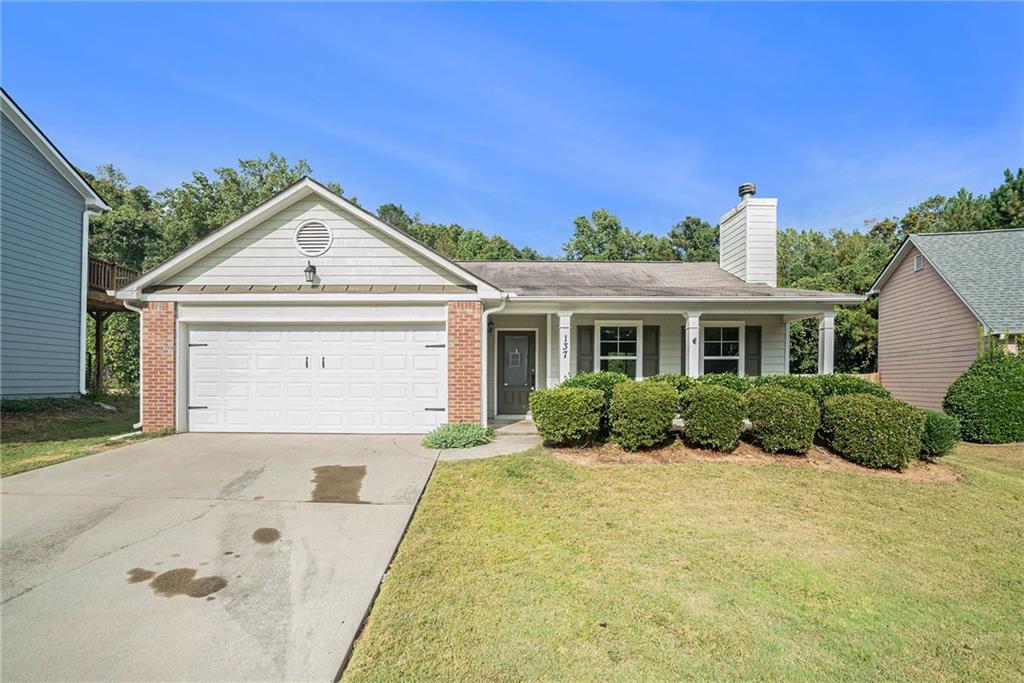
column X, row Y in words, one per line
column 516, row 371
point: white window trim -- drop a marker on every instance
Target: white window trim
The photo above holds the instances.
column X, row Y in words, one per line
column 638, row 324
column 743, row 342
column 497, row 362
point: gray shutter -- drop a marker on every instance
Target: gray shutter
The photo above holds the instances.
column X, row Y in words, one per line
column 651, row 350
column 585, row 348
column 752, row 351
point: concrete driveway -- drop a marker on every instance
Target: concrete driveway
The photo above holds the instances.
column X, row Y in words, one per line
column 202, row 556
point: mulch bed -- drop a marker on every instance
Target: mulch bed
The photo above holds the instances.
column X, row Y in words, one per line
column 818, row 458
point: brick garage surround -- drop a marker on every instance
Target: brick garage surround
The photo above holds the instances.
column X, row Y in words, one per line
column 464, row 361
column 158, row 356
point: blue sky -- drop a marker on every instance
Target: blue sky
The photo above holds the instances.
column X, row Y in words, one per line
column 517, row 118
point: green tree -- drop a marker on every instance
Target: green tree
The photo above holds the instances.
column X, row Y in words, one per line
column 602, row 237
column 1005, row 206
column 694, row 239
column 126, row 233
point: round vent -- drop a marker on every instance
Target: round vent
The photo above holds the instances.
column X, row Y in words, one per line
column 313, row 238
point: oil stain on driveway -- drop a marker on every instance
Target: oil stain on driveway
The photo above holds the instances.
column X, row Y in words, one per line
column 202, row 556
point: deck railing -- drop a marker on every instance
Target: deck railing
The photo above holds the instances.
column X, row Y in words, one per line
column 109, row 276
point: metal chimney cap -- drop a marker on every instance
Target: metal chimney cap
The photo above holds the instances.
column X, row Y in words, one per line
column 748, row 190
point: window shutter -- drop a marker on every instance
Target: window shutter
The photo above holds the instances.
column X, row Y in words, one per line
column 585, row 348
column 652, row 350
column 752, row 351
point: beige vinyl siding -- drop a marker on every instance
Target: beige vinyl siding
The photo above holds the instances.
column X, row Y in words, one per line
column 926, row 335
column 267, row 255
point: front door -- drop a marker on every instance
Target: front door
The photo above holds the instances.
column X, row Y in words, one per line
column 516, row 371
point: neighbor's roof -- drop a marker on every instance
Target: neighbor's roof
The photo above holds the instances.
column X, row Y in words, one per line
column 985, row 268
column 60, row 163
column 596, row 279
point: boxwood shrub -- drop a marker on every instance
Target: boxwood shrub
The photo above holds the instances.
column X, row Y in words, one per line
column 680, row 382
column 567, row 415
column 713, row 416
column 844, row 385
column 459, row 435
column 783, row 419
column 726, row 379
column 873, row 431
column 803, row 383
column 642, row 412
column 941, row 432
column 988, row 399
column 603, row 382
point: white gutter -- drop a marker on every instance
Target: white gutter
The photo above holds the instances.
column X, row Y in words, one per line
column 89, row 211
column 485, row 356
column 837, row 300
column 138, row 425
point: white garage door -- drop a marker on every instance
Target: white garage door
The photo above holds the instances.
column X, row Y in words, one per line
column 359, row 378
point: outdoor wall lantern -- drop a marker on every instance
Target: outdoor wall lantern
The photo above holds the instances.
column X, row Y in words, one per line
column 310, row 272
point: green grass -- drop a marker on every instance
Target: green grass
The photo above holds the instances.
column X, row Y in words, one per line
column 43, row 432
column 531, row 568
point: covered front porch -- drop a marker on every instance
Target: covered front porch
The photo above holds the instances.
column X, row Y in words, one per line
column 529, row 347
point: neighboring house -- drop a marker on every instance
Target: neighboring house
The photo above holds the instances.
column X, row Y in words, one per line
column 45, row 206
column 310, row 314
column 937, row 296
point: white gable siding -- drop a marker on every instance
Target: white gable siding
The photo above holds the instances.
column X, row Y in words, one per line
column 266, row 255
column 732, row 246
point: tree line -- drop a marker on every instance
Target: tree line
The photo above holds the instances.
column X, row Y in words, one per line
column 144, row 228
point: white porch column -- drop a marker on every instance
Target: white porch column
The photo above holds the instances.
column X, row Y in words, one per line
column 826, row 343
column 785, row 350
column 564, row 345
column 692, row 342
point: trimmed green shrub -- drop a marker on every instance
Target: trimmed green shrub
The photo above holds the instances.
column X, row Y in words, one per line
column 844, row 385
column 873, row 431
column 680, row 382
column 567, row 415
column 803, row 383
column 713, row 416
column 603, row 382
column 783, row 419
column 642, row 412
column 459, row 435
column 988, row 399
column 726, row 379
column 941, row 432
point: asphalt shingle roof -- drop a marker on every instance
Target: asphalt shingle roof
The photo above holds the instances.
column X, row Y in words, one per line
column 986, row 268
column 624, row 278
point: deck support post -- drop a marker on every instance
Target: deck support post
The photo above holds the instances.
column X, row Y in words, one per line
column 100, row 318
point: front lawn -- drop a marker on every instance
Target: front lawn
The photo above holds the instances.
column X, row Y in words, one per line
column 43, row 432
column 529, row 567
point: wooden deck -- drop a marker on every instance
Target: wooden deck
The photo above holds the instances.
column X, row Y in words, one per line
column 104, row 279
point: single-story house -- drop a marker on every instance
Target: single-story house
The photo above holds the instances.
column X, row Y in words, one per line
column 939, row 296
column 310, row 314
column 45, row 205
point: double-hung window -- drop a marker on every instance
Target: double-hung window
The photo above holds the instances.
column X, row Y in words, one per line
column 618, row 348
column 722, row 349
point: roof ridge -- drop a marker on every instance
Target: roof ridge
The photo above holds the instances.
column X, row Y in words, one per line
column 964, row 232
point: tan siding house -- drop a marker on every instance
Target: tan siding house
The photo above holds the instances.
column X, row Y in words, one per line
column 933, row 297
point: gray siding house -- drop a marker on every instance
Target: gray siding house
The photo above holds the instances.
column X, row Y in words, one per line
column 45, row 206
column 936, row 295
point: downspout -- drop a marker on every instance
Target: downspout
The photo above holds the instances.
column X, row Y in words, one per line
column 89, row 211
column 138, row 425
column 485, row 356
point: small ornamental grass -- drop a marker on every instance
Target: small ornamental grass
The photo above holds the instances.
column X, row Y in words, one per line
column 642, row 412
column 459, row 435
column 941, row 432
column 873, row 431
column 784, row 420
column 713, row 416
column 568, row 415
column 988, row 399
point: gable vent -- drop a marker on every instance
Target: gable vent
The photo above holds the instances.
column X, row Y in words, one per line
column 313, row 238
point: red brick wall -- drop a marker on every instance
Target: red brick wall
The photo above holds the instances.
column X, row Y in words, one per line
column 158, row 322
column 464, row 361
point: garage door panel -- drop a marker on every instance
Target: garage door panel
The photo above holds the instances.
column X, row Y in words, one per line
column 338, row 379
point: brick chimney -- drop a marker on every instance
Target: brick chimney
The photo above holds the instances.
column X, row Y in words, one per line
column 747, row 238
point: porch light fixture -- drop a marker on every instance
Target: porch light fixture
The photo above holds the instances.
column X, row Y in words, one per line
column 490, row 326
column 310, row 272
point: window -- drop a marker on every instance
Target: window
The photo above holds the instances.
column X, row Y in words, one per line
column 918, row 262
column 722, row 349
column 618, row 348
